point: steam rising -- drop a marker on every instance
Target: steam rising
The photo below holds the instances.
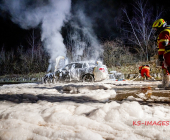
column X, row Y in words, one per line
column 83, row 38
column 50, row 14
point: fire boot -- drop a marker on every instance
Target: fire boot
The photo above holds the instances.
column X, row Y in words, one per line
column 165, row 79
column 167, row 85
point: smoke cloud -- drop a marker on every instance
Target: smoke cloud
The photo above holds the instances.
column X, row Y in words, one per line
column 49, row 14
column 82, row 37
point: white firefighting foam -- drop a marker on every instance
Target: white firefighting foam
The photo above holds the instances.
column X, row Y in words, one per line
column 83, row 116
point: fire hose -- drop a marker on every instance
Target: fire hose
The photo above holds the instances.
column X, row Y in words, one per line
column 135, row 77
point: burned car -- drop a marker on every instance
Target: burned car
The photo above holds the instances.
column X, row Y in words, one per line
column 82, row 71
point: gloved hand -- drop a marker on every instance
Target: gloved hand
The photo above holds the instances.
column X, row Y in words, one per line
column 161, row 58
column 139, row 71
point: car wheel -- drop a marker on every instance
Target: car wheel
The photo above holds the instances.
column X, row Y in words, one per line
column 55, row 80
column 88, row 78
column 45, row 80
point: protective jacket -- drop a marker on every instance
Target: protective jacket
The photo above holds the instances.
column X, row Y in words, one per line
column 145, row 70
column 163, row 42
column 140, row 68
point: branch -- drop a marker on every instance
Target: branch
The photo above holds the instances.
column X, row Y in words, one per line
column 132, row 27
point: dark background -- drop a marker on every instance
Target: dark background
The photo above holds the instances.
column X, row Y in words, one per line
column 104, row 13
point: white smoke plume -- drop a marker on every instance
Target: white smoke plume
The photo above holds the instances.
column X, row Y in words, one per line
column 49, row 14
column 87, row 41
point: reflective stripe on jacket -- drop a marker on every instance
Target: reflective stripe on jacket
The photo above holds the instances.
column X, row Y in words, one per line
column 163, row 38
column 146, row 67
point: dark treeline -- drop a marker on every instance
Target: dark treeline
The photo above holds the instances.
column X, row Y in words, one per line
column 22, row 62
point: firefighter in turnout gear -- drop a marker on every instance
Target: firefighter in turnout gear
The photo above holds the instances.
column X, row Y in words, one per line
column 162, row 33
column 145, row 72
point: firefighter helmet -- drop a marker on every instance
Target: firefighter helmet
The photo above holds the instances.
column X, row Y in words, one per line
column 159, row 23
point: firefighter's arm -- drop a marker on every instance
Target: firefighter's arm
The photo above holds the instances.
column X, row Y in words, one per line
column 161, row 57
column 163, row 41
column 161, row 51
column 140, row 69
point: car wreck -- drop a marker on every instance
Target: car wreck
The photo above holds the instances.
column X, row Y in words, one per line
column 84, row 71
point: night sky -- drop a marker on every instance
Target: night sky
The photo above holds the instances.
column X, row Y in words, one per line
column 103, row 11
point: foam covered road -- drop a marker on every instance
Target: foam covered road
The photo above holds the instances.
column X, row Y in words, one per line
column 111, row 110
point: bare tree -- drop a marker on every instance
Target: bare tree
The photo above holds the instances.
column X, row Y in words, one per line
column 31, row 41
column 139, row 27
column 116, row 54
column 2, row 55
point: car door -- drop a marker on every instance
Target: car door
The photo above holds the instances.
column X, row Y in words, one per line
column 80, row 70
column 72, row 72
column 75, row 71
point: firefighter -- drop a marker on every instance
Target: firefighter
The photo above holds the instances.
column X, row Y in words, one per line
column 145, row 72
column 162, row 33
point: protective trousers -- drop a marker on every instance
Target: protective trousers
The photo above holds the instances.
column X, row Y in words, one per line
column 145, row 71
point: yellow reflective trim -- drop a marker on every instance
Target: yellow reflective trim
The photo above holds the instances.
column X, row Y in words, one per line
column 166, row 29
column 163, row 40
column 146, row 68
column 167, row 51
column 161, row 50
